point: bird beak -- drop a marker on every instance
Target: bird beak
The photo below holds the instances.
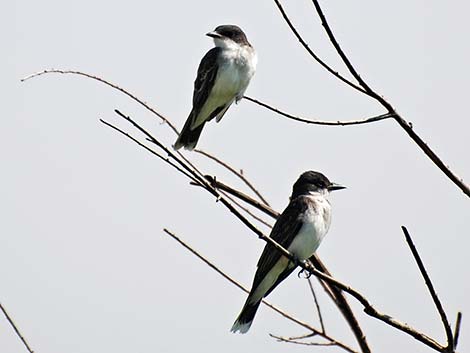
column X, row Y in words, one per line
column 213, row 34
column 334, row 186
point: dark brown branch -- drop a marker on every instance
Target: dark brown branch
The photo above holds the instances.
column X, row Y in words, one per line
column 246, row 209
column 432, row 291
column 312, row 53
column 323, row 122
column 242, row 196
column 405, row 125
column 317, row 306
column 99, row 79
column 234, row 171
column 295, row 341
column 273, row 307
column 15, row 328
column 457, row 329
column 166, row 160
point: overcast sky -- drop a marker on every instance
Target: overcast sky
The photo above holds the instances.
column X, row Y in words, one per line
column 84, row 264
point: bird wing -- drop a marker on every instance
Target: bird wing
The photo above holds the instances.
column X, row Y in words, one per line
column 206, row 74
column 284, row 231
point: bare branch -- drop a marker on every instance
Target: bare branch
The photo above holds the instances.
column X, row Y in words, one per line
column 15, row 328
column 432, row 291
column 312, row 53
column 320, row 317
column 323, row 122
column 242, row 196
column 457, row 329
column 295, row 341
column 246, row 210
column 154, row 111
column 405, row 125
column 234, row 171
column 106, row 82
column 166, row 160
column 265, row 302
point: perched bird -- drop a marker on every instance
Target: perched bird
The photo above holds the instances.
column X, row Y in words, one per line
column 223, row 76
column 299, row 229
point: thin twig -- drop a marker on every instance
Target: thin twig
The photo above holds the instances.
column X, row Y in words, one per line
column 312, row 53
column 290, row 340
column 273, row 307
column 234, row 171
column 457, row 329
column 242, row 196
column 320, row 317
column 154, row 111
column 106, row 82
column 246, row 210
column 166, row 160
column 405, row 125
column 15, row 328
column 432, row 291
column 323, row 122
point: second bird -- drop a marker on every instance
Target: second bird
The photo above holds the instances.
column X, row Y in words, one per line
column 299, row 229
column 222, row 78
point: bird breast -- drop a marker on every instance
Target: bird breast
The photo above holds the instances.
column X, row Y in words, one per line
column 316, row 222
column 236, row 70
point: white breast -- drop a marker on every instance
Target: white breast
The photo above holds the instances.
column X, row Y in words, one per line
column 238, row 66
column 316, row 221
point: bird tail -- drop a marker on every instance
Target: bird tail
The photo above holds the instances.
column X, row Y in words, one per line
column 188, row 137
column 243, row 322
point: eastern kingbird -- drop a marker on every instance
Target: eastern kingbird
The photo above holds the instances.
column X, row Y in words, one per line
column 223, row 76
column 299, row 229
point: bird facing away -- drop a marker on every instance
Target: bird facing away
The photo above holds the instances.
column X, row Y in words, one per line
column 222, row 78
column 299, row 229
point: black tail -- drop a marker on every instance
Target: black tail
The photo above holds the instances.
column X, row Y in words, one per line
column 246, row 317
column 188, row 138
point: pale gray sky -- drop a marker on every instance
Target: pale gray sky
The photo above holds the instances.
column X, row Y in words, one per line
column 84, row 265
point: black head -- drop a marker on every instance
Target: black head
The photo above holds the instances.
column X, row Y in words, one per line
column 231, row 32
column 313, row 182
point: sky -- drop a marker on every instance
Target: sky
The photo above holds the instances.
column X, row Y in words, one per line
column 84, row 263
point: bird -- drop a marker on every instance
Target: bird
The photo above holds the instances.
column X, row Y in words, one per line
column 300, row 229
column 222, row 78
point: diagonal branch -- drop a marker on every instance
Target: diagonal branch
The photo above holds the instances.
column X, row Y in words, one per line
column 322, row 122
column 405, row 125
column 312, row 53
column 15, row 328
column 234, row 171
column 432, row 291
column 273, row 307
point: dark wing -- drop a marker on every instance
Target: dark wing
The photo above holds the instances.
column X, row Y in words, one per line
column 206, row 74
column 285, row 229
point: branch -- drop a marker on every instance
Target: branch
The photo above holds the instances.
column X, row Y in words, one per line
column 149, row 108
column 457, row 329
column 405, row 125
column 265, row 302
column 234, row 171
column 320, row 317
column 106, row 82
column 17, row 331
column 322, row 122
column 295, row 341
column 242, row 196
column 432, row 291
column 312, row 54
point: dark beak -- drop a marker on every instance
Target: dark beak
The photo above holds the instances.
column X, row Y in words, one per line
column 213, row 34
column 334, row 186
